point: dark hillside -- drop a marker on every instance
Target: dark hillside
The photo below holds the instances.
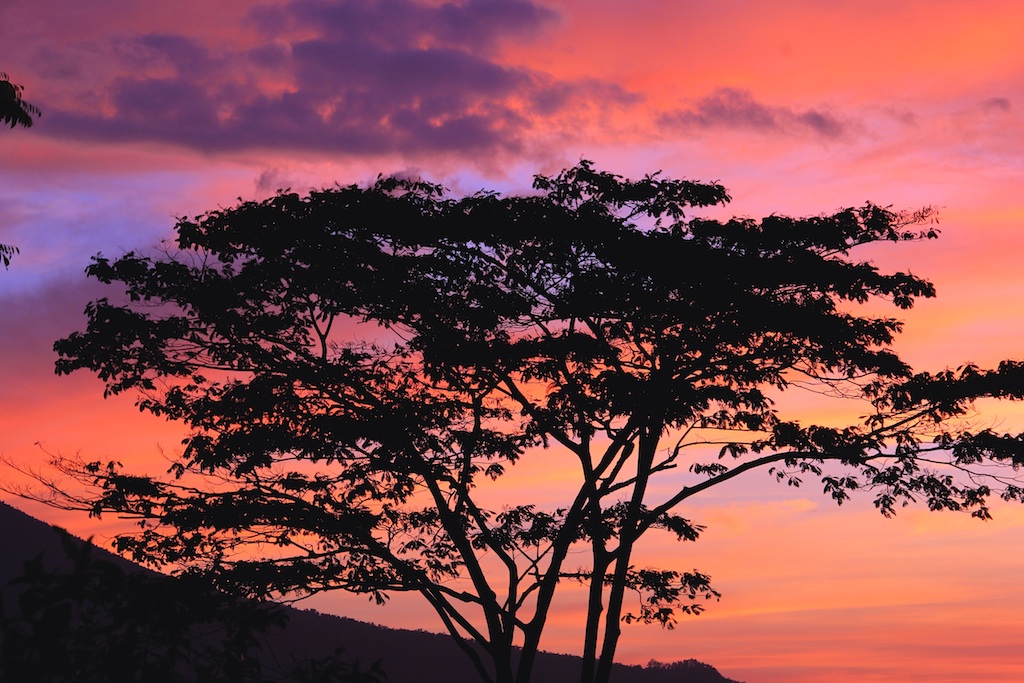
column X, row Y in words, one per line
column 422, row 657
column 22, row 537
column 406, row 656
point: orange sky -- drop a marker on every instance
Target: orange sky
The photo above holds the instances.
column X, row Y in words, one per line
column 796, row 106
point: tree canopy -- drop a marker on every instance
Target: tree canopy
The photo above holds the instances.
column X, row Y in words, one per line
column 358, row 364
column 15, row 111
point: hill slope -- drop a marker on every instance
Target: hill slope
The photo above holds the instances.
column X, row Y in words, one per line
column 406, row 656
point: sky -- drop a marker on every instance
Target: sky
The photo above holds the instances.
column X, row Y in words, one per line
column 154, row 110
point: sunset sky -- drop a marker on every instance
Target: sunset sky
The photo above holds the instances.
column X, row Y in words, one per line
column 156, row 109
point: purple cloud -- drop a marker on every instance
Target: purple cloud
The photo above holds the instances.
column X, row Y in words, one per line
column 475, row 25
column 348, row 77
column 737, row 109
column 188, row 55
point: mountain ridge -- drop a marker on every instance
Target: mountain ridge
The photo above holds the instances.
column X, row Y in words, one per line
column 406, row 656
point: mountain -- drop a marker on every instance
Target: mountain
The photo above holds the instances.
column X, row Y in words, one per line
column 406, row 656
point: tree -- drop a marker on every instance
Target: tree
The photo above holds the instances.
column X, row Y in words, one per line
column 15, row 111
column 357, row 365
column 6, row 251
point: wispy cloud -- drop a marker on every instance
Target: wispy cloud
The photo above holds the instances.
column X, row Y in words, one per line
column 737, row 109
column 997, row 104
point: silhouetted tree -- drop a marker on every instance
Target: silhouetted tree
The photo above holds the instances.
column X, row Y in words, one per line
column 6, row 251
column 15, row 111
column 357, row 365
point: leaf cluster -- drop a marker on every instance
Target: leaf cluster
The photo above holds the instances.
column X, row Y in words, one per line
column 14, row 111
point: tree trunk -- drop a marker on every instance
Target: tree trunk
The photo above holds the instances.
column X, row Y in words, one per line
column 627, row 537
column 595, row 606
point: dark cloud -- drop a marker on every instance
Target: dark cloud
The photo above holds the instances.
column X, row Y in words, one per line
column 187, row 55
column 997, row 104
column 473, row 24
column 351, row 76
column 737, row 109
column 448, row 78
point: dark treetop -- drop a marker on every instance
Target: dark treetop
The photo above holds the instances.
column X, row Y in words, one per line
column 15, row 111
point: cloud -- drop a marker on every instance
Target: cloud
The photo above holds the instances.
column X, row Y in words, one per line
column 185, row 54
column 392, row 76
column 476, row 25
column 737, row 109
column 997, row 104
